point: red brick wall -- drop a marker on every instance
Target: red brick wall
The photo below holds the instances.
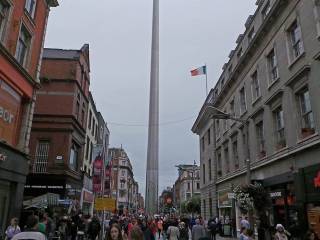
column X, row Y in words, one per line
column 35, row 26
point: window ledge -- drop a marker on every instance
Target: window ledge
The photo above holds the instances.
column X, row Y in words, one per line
column 293, row 62
column 256, row 100
column 273, row 83
column 243, row 113
column 27, row 14
column 302, row 140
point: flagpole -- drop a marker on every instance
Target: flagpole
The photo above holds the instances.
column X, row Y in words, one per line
column 206, row 80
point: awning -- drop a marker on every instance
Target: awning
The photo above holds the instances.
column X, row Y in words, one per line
column 49, row 199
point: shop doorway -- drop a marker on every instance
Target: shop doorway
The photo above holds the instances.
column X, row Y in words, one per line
column 4, row 204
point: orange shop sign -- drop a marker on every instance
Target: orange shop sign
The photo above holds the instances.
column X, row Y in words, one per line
column 10, row 102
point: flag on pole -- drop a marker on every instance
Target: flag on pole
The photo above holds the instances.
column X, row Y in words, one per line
column 199, row 71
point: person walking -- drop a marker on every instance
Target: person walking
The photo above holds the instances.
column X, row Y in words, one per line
column 136, row 233
column 184, row 231
column 212, row 227
column 311, row 235
column 94, row 228
column 31, row 231
column 173, row 231
column 198, row 231
column 160, row 227
column 281, row 233
column 114, row 233
column 12, row 229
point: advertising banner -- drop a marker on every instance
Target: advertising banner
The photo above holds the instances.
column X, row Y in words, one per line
column 105, row 204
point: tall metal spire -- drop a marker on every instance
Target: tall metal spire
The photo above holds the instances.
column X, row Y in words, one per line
column 152, row 172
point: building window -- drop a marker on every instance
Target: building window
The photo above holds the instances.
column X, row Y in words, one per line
column 87, row 147
column 251, row 35
column 83, row 113
column 273, row 67
column 30, row 7
column 230, row 69
column 202, row 144
column 210, row 169
column 219, row 164
column 73, row 160
column 279, row 124
column 210, row 207
column 209, row 136
column 204, row 173
column 240, row 52
column 198, row 185
column 188, row 186
column 295, row 40
column 204, row 207
column 255, row 88
column 218, row 128
column 91, row 149
column 235, row 154
column 93, row 126
column 226, row 157
column 123, row 173
column 266, row 10
column 243, row 104
column 122, row 185
column 90, row 119
column 4, row 10
column 307, row 120
column 23, row 45
column 222, row 83
column 260, row 139
column 41, row 157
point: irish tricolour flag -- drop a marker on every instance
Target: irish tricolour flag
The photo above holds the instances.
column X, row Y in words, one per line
column 199, row 71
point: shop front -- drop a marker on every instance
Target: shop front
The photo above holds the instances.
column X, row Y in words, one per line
column 308, row 196
column 226, row 212
column 13, row 162
column 284, row 209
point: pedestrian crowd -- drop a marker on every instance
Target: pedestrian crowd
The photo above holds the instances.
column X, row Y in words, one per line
column 133, row 227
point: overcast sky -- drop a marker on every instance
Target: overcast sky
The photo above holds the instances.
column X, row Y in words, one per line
column 192, row 32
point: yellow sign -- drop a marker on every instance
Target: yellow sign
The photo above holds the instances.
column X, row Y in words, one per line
column 105, row 204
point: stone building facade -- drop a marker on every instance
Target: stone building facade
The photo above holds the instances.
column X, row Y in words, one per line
column 272, row 82
column 22, row 34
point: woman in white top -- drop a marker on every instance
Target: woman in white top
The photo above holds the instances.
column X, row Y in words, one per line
column 173, row 231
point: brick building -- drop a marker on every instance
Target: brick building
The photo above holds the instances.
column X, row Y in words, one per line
column 22, row 33
column 58, row 134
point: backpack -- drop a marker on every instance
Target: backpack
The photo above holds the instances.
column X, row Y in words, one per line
column 212, row 226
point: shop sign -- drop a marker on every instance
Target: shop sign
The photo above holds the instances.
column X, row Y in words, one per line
column 87, row 197
column 317, row 180
column 10, row 102
column 223, row 200
column 3, row 157
column 276, row 194
column 105, row 204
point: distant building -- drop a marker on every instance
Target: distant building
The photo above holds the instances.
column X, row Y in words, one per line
column 271, row 81
column 124, row 187
column 22, row 34
column 187, row 184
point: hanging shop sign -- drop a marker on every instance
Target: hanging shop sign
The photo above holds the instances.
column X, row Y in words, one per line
column 223, row 200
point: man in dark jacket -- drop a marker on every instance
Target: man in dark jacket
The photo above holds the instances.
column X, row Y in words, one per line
column 94, row 228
